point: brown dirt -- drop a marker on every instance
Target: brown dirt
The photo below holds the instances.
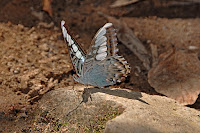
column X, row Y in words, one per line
column 34, row 60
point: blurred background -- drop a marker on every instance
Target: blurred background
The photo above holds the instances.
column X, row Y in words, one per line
column 35, row 60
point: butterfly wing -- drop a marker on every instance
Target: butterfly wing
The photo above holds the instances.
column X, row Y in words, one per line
column 103, row 52
column 77, row 55
column 104, row 44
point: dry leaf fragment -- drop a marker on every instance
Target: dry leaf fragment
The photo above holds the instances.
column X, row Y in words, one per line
column 119, row 3
column 177, row 75
column 47, row 6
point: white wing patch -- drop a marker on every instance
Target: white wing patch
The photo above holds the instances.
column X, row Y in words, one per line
column 64, row 31
column 101, row 43
column 101, row 33
column 78, row 54
column 107, row 25
column 75, row 48
column 102, row 49
column 70, row 41
column 100, row 40
column 101, row 56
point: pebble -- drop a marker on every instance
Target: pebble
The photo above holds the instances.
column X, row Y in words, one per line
column 20, row 26
column 191, row 47
column 31, row 30
column 34, row 36
column 16, row 71
column 51, row 38
column 22, row 115
column 148, row 41
column 44, row 47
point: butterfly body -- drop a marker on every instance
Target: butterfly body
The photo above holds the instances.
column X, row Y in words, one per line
column 101, row 66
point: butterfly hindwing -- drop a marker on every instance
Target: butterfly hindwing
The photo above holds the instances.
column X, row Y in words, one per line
column 117, row 68
column 77, row 55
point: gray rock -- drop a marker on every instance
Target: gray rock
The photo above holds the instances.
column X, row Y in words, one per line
column 161, row 115
column 142, row 113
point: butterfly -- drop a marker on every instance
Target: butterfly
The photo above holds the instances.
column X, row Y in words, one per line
column 101, row 66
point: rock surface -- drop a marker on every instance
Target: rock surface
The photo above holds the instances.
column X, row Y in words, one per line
column 140, row 112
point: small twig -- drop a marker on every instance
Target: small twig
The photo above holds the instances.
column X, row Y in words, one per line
column 154, row 53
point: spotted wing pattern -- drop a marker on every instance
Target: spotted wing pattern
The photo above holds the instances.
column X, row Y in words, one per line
column 77, row 55
column 103, row 51
column 104, row 44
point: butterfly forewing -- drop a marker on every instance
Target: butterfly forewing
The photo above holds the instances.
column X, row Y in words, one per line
column 104, row 45
column 77, row 55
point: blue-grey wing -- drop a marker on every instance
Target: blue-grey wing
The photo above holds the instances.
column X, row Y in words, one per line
column 107, row 72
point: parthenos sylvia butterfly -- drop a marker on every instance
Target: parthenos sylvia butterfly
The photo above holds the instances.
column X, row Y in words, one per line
column 101, row 66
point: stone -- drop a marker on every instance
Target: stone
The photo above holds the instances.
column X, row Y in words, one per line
column 140, row 112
